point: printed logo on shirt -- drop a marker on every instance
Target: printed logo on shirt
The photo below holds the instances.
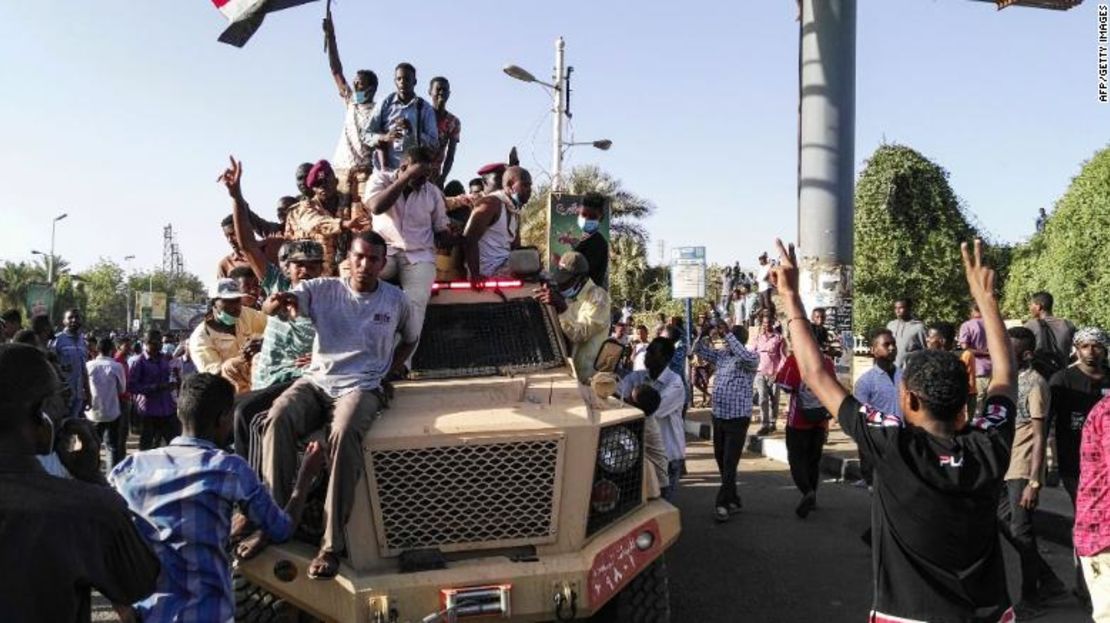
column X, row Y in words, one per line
column 877, row 418
column 994, row 415
column 951, row 461
column 382, row 318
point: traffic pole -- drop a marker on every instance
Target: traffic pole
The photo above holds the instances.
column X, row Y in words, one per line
column 826, row 161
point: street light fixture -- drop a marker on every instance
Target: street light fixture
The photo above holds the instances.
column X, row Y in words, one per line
column 560, row 92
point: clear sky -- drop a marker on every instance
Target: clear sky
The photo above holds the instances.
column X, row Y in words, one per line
column 122, row 114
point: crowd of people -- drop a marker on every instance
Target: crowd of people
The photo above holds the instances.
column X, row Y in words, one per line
column 313, row 317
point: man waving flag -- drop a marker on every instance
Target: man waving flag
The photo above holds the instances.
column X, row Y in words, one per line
column 246, row 16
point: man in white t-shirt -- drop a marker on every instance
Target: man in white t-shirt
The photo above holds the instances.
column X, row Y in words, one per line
column 357, row 319
column 352, row 153
column 107, row 380
column 764, row 286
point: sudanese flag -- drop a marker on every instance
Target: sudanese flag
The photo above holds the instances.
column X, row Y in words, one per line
column 246, row 16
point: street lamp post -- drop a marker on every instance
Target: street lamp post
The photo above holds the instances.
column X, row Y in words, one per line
column 559, row 108
column 50, row 260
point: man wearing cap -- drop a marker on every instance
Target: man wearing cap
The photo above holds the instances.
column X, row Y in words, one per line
column 325, row 216
column 409, row 212
column 1075, row 391
column 61, row 537
column 357, row 320
column 228, row 337
column 583, row 309
column 493, row 230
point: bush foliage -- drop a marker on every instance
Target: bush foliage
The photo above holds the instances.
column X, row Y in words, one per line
column 1071, row 257
column 908, row 227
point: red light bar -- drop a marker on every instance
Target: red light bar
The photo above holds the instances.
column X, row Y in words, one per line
column 465, row 285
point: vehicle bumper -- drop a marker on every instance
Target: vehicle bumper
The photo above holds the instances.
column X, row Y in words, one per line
column 604, row 566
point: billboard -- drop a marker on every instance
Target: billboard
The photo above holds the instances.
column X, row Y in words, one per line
column 39, row 300
column 562, row 227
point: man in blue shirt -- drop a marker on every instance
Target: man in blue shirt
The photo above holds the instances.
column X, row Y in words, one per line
column 185, row 493
column 72, row 351
column 732, row 408
column 403, row 120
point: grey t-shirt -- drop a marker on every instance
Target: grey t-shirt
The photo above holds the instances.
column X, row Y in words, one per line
column 355, row 332
column 1062, row 330
column 909, row 336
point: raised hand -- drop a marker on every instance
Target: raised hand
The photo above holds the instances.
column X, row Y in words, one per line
column 784, row 275
column 231, row 177
column 980, row 277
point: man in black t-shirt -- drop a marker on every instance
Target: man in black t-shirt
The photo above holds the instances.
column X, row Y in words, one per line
column 1075, row 391
column 594, row 246
column 936, row 554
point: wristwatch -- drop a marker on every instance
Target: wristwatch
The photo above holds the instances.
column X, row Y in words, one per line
column 1036, row 484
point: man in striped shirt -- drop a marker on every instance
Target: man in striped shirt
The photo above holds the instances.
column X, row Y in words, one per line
column 184, row 494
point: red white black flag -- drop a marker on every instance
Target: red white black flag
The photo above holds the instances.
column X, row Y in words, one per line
column 246, row 16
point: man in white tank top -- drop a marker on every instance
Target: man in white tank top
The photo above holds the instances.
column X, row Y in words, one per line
column 493, row 230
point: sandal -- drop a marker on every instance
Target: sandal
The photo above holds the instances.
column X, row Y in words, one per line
column 324, row 567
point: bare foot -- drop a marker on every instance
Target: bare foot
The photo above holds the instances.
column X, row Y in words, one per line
column 249, row 547
column 324, row 566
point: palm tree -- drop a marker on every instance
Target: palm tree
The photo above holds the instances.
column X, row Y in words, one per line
column 627, row 209
column 14, row 279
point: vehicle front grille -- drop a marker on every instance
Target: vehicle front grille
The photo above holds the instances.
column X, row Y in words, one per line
column 629, row 482
column 482, row 339
column 495, row 494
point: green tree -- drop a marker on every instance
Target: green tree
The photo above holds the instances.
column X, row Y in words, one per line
column 908, row 226
column 107, row 295
column 182, row 287
column 1069, row 258
column 14, row 279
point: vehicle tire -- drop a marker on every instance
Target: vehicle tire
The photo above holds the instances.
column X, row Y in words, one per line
column 254, row 604
column 646, row 599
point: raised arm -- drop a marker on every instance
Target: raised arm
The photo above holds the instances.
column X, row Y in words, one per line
column 806, row 350
column 980, row 278
column 382, row 197
column 333, row 56
column 244, row 235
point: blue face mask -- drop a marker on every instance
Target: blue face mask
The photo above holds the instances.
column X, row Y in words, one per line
column 167, row 349
column 588, row 225
column 362, row 97
column 572, row 291
column 515, row 198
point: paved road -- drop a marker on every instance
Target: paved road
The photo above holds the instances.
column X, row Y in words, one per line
column 765, row 564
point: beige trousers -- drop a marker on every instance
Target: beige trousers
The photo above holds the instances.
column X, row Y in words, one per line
column 299, row 411
column 1096, row 571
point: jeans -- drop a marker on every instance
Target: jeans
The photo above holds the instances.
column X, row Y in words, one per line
column 728, row 444
column 249, row 405
column 158, row 430
column 416, row 280
column 114, row 437
column 1017, row 526
column 768, row 393
column 803, row 451
column 674, row 472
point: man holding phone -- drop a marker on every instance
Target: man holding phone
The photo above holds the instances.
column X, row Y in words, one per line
column 150, row 385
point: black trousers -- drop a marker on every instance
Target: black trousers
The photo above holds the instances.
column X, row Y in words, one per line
column 1071, row 485
column 1016, row 524
column 158, row 430
column 803, row 451
column 728, row 443
column 114, row 437
column 249, row 405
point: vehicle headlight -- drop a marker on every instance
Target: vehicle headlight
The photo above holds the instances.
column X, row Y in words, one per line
column 618, row 450
column 604, row 496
